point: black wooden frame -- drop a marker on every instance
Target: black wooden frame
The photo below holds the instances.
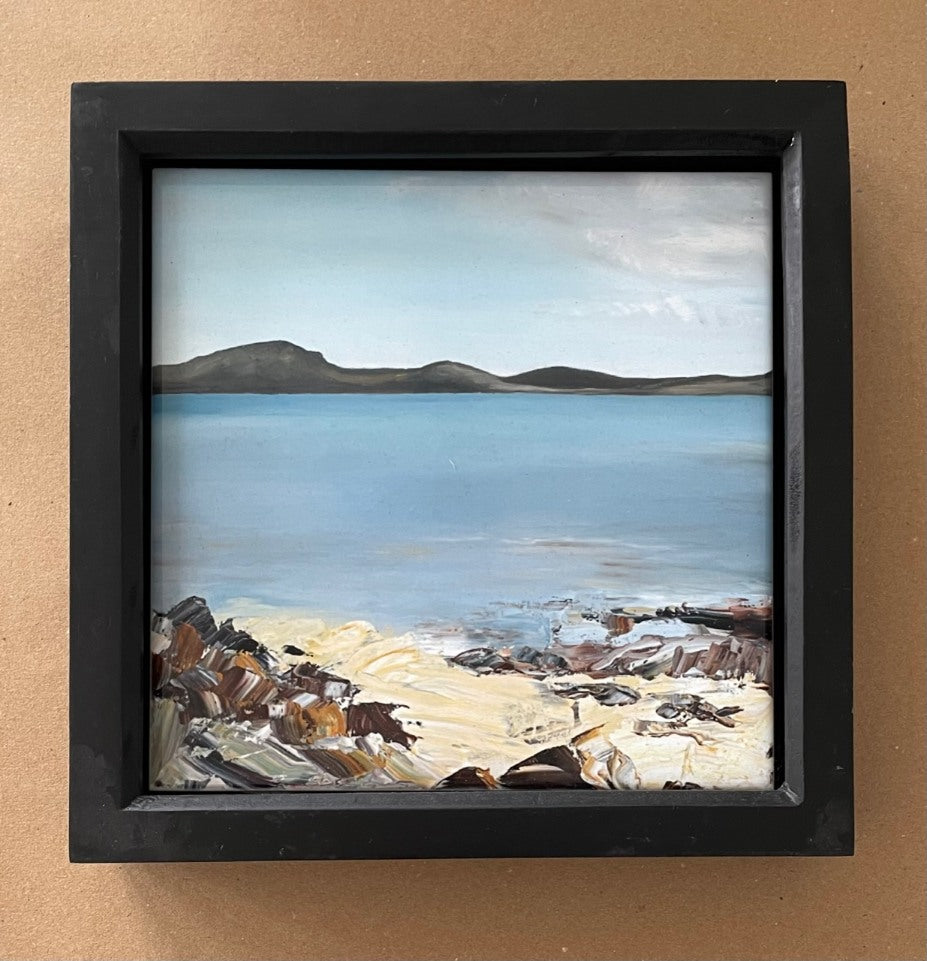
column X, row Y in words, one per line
column 795, row 129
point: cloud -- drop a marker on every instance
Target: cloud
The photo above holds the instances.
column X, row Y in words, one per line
column 705, row 229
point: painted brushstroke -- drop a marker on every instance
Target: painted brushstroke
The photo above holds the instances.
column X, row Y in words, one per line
column 663, row 700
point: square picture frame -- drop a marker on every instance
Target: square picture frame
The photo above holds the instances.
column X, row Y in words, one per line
column 796, row 130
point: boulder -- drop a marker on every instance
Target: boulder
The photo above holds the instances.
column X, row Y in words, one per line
column 483, row 660
column 469, row 778
column 610, row 695
column 554, row 767
column 195, row 612
column 374, row 717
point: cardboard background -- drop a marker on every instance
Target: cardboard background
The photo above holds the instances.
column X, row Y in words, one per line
column 870, row 906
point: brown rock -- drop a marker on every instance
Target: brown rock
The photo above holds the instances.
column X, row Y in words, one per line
column 312, row 679
column 554, row 767
column 619, row 623
column 303, row 725
column 245, row 690
column 469, row 777
column 373, row 717
column 186, row 648
column 160, row 671
column 730, row 657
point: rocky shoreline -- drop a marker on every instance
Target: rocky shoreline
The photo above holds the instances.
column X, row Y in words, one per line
column 723, row 642
column 677, row 698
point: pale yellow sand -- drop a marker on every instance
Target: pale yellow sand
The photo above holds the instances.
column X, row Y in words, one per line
column 492, row 721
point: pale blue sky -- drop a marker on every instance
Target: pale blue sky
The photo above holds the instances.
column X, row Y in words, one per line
column 642, row 274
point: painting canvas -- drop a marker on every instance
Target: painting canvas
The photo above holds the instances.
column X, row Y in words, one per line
column 461, row 479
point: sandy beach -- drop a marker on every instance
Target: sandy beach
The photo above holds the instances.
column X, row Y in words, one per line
column 446, row 718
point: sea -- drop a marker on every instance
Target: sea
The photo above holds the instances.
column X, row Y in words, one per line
column 480, row 513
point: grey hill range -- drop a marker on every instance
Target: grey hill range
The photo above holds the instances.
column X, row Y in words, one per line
column 279, row 367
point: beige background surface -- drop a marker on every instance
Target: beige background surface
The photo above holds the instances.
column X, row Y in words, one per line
column 870, row 906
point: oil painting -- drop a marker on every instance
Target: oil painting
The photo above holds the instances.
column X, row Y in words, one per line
column 461, row 480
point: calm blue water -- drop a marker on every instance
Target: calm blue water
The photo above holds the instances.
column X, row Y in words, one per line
column 458, row 508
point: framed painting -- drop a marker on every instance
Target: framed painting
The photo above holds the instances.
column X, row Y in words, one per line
column 460, row 470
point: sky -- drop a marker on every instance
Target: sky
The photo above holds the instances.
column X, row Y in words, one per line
column 638, row 274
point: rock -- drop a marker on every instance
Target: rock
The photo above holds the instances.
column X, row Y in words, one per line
column 728, row 657
column 618, row 622
column 590, row 761
column 373, row 717
column 650, row 655
column 752, row 621
column 554, row 767
column 197, row 678
column 205, row 703
column 227, row 713
column 194, row 611
column 483, row 660
column 168, row 731
column 581, row 657
column 525, row 654
column 552, row 663
column 602, row 764
column 743, row 619
column 680, row 641
column 160, row 671
column 342, row 765
column 539, row 660
column 311, row 678
column 303, row 725
column 682, row 786
column 622, row 773
column 228, row 637
column 687, row 707
column 610, row 695
column 469, row 778
column 245, row 690
column 186, row 648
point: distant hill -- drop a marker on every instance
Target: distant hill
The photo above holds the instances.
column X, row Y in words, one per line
column 279, row 367
column 573, row 379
